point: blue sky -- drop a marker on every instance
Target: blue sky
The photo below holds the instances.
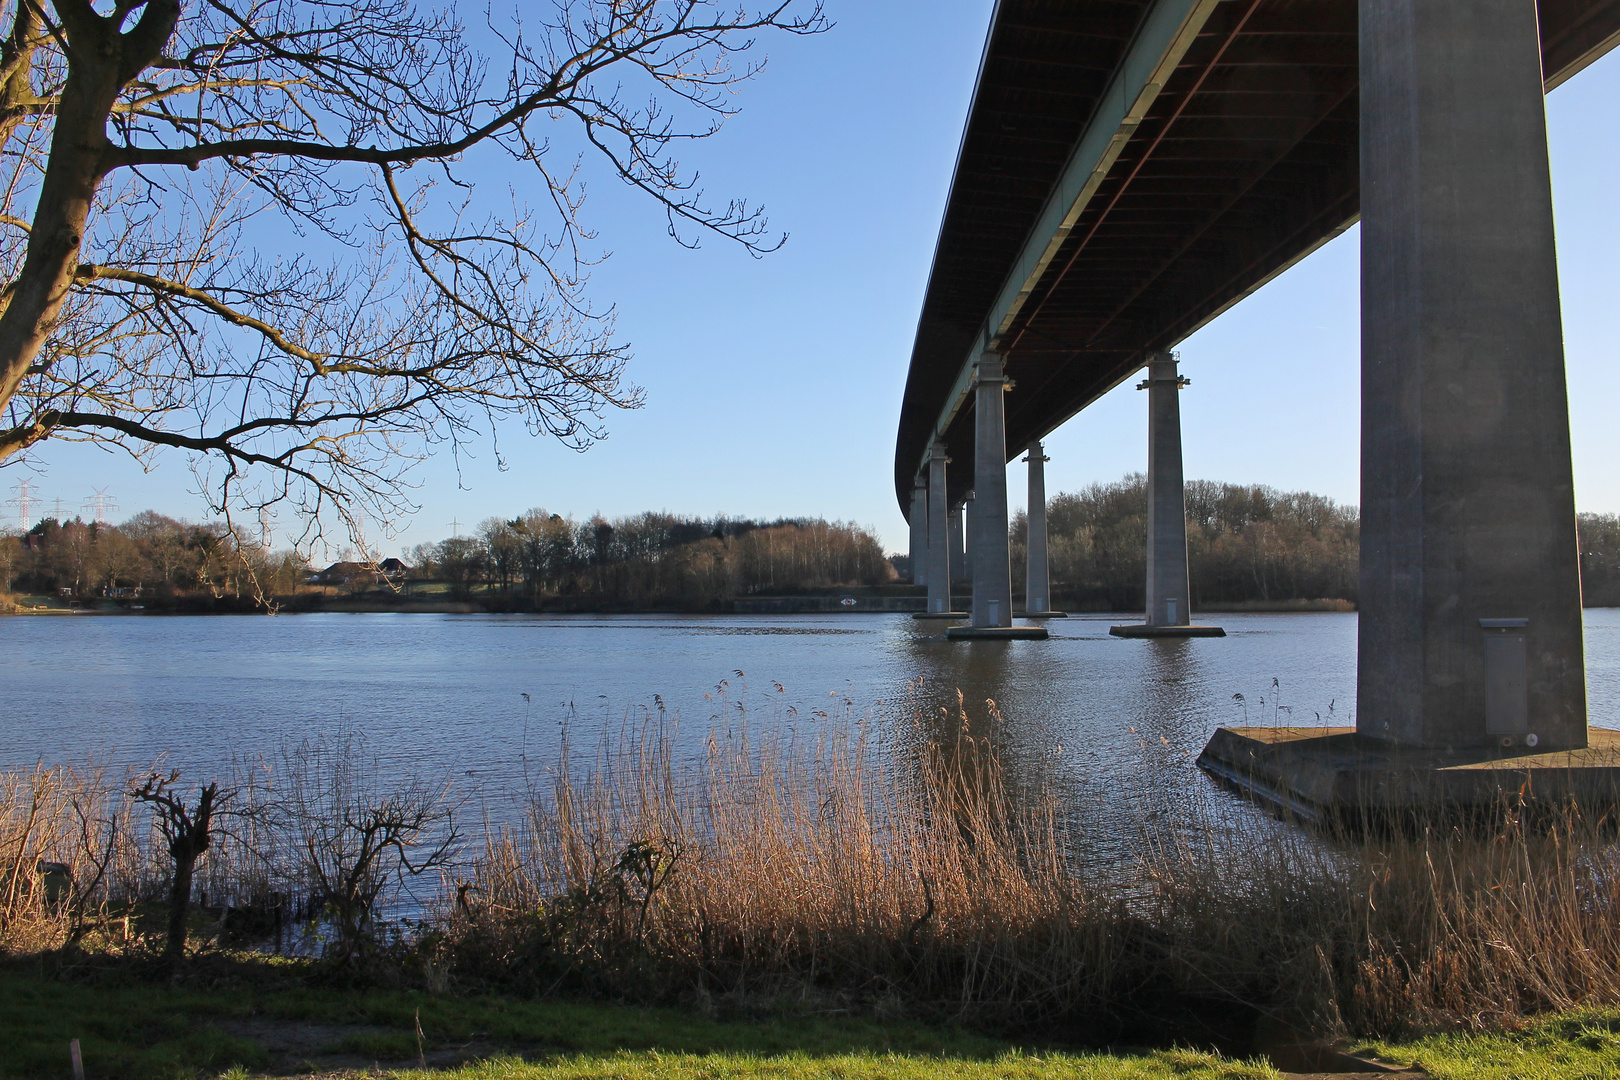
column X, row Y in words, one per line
column 773, row 385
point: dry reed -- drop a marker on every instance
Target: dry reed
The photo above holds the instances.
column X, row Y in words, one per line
column 825, row 869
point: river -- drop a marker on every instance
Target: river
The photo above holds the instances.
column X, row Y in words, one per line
column 487, row 697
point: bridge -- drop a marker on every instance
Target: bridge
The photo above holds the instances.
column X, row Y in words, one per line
column 1130, row 169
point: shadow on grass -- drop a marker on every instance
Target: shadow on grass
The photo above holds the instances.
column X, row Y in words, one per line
column 264, row 1016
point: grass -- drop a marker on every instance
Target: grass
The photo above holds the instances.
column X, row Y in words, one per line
column 158, row 1032
column 1010, row 1066
column 162, row 1032
column 1580, row 1045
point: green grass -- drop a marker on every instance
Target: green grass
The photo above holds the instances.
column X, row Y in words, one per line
column 1011, row 1066
column 142, row 1031
column 1575, row 1046
column 156, row 1032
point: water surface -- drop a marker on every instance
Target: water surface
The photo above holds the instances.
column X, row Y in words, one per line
column 447, row 692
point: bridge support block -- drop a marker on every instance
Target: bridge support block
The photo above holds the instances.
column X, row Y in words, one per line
column 996, row 633
column 939, row 548
column 1135, row 630
column 1470, row 616
column 1333, row 776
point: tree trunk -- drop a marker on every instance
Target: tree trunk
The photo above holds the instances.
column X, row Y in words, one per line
column 100, row 62
column 179, row 906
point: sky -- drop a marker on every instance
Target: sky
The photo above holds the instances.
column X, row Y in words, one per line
column 773, row 385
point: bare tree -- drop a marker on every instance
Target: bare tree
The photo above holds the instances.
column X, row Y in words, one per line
column 248, row 229
column 187, row 831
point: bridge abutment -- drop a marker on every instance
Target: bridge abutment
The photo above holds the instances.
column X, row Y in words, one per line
column 1470, row 624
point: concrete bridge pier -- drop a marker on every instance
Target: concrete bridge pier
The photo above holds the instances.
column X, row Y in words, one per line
column 1470, row 625
column 919, row 532
column 1169, row 597
column 958, row 541
column 1470, row 681
column 1037, row 578
column 939, row 548
column 989, row 557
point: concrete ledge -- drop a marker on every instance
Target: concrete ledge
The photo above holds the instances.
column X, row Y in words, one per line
column 996, row 633
column 942, row 615
column 1144, row 630
column 1040, row 614
column 1322, row 774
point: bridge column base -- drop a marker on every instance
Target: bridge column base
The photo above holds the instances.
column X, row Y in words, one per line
column 1135, row 630
column 1334, row 776
column 996, row 633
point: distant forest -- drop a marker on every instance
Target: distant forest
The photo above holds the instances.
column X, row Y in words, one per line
column 537, row 560
column 651, row 559
column 1246, row 544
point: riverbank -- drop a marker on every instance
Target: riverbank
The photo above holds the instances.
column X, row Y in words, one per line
column 807, row 872
column 435, row 598
column 857, row 600
column 889, row 600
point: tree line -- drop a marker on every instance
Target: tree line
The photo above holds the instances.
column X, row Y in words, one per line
column 1245, row 543
column 534, row 560
column 152, row 555
column 652, row 559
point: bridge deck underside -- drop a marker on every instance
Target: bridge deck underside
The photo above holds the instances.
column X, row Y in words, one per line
column 1247, row 160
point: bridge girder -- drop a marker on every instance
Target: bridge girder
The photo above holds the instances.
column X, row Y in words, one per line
column 1129, row 170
